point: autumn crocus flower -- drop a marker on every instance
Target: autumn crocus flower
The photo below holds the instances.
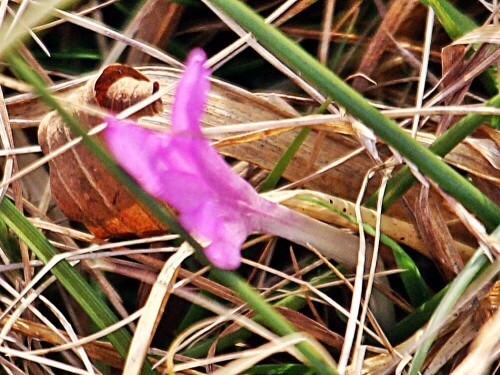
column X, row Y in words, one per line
column 218, row 207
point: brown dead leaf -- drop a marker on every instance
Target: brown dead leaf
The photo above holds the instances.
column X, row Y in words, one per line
column 452, row 64
column 155, row 22
column 493, row 134
column 229, row 104
column 488, row 149
column 81, row 186
column 435, row 233
column 453, row 69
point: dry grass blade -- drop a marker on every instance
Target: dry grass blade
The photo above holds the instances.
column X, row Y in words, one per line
column 488, row 149
column 385, row 315
column 248, row 358
column 101, row 351
column 108, row 32
column 386, row 363
column 11, row 322
column 466, row 325
column 484, row 34
column 367, row 260
column 270, row 57
column 223, row 315
column 477, row 63
column 20, row 11
column 473, row 225
column 484, row 349
column 6, row 140
column 325, row 35
column 153, row 309
column 424, row 70
column 33, row 15
column 82, row 12
column 397, row 12
column 23, row 354
column 452, row 343
column 282, row 14
column 312, row 327
column 317, row 292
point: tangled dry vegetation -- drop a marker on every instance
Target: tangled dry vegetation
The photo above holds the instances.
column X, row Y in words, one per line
column 403, row 58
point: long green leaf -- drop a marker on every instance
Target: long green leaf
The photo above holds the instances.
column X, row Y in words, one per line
column 331, row 85
column 404, row 179
column 74, row 283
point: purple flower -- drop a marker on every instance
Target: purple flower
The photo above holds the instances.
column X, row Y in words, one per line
column 182, row 169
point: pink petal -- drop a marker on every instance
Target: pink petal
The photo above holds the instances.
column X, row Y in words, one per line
column 225, row 250
column 223, row 228
column 191, row 94
column 139, row 151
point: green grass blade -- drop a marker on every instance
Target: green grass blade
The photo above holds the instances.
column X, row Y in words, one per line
column 77, row 55
column 74, row 283
column 9, row 244
column 456, row 289
column 279, row 369
column 453, row 21
column 332, row 86
column 272, row 180
column 273, row 319
column 404, row 179
column 411, row 323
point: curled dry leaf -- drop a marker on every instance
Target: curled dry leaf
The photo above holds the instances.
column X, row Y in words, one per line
column 81, row 185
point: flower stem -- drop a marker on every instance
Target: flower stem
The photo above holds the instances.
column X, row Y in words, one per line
column 330, row 241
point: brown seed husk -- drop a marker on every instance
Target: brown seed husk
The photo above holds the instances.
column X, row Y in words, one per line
column 81, row 186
